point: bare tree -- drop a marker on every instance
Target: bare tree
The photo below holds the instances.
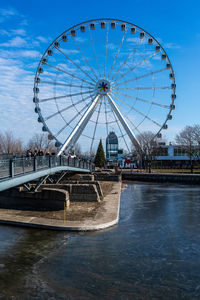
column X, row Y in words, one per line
column 188, row 138
column 197, row 139
column 41, row 141
column 147, row 150
column 10, row 144
column 196, row 132
column 1, row 148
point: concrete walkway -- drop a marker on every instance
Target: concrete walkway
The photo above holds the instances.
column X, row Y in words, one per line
column 108, row 218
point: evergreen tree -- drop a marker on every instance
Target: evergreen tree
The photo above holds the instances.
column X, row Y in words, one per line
column 100, row 159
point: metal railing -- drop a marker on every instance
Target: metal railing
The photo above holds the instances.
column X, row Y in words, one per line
column 10, row 168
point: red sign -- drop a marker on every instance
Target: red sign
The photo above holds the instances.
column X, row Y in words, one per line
column 127, row 161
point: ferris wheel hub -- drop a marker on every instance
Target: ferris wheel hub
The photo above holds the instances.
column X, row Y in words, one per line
column 103, row 87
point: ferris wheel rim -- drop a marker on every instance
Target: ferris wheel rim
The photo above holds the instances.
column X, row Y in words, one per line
column 99, row 20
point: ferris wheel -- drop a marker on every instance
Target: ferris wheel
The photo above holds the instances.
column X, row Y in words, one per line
column 102, row 76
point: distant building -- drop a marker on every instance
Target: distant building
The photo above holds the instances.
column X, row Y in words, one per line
column 111, row 146
column 114, row 155
column 172, row 155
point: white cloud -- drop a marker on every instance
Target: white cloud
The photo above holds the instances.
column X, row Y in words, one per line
column 24, row 22
column 111, row 46
column 171, row 46
column 80, row 39
column 6, row 14
column 20, row 54
column 135, row 40
column 70, row 51
column 168, row 45
column 16, row 85
column 42, row 39
column 30, row 54
column 15, row 42
column 19, row 32
column 4, row 32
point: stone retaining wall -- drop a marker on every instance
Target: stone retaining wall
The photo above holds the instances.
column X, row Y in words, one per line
column 107, row 177
column 80, row 191
column 99, row 189
column 84, row 193
column 152, row 177
column 46, row 199
column 78, row 177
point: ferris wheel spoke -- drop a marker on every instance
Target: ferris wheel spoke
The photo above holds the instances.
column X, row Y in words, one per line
column 136, row 66
column 76, row 132
column 65, row 96
column 65, row 72
column 106, row 116
column 125, row 61
column 131, row 122
column 116, row 56
column 123, row 121
column 135, row 127
column 142, row 100
column 68, row 123
column 95, row 54
column 141, row 77
column 139, row 112
column 85, row 58
column 145, row 88
column 106, row 51
column 96, row 125
column 75, row 64
column 122, row 135
column 66, row 108
column 65, row 84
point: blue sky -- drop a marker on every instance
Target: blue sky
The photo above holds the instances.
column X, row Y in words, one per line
column 28, row 27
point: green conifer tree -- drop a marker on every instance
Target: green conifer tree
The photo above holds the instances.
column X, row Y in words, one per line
column 100, row 159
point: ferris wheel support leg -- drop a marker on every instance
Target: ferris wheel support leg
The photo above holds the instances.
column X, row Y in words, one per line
column 124, row 123
column 77, row 131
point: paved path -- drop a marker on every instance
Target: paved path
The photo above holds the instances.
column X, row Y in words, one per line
column 110, row 216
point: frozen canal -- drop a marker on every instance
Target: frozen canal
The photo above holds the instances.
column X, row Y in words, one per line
column 153, row 253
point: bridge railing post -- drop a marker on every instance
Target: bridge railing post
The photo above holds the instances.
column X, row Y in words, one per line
column 50, row 161
column 11, row 168
column 60, row 160
column 23, row 158
column 35, row 164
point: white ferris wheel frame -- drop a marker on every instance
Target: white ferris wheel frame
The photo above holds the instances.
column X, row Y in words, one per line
column 94, row 81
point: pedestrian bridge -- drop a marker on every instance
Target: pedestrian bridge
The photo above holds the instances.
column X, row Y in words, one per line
column 19, row 171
